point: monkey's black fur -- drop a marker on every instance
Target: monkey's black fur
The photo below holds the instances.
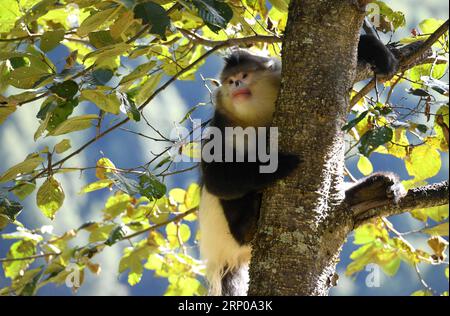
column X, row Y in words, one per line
column 374, row 52
column 237, row 184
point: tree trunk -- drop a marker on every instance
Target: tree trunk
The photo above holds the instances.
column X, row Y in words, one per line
column 296, row 250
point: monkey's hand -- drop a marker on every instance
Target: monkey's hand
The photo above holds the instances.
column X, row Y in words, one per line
column 286, row 164
column 376, row 187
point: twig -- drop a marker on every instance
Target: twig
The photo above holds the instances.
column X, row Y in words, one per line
column 30, row 257
column 230, row 42
column 156, row 226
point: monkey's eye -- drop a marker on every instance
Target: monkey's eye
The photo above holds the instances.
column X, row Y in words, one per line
column 230, row 81
column 244, row 76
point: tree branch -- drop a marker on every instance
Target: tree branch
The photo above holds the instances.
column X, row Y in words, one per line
column 421, row 197
column 30, row 257
column 409, row 56
column 197, row 39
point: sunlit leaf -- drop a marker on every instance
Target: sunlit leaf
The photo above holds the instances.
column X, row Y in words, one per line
column 50, row 197
column 26, row 166
column 74, row 124
column 364, row 165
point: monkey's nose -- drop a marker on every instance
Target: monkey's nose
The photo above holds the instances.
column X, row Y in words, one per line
column 238, row 83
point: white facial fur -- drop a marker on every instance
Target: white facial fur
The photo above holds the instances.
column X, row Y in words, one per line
column 250, row 110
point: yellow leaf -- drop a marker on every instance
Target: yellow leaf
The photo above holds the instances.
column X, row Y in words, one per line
column 439, row 230
column 106, row 102
column 62, row 146
column 192, row 198
column 424, row 162
column 74, row 124
column 104, row 165
column 364, row 165
column 50, row 197
column 178, row 195
column 26, row 166
column 101, row 184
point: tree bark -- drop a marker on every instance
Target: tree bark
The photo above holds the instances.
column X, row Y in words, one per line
column 294, row 252
column 304, row 219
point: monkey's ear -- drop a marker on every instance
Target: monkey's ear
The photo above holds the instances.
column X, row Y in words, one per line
column 215, row 82
column 270, row 64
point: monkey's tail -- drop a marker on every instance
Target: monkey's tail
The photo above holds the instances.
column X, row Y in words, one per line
column 235, row 282
column 226, row 281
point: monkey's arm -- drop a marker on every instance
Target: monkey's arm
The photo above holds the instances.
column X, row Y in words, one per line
column 231, row 180
column 374, row 52
column 378, row 186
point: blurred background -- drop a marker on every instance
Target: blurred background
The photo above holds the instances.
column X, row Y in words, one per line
column 128, row 150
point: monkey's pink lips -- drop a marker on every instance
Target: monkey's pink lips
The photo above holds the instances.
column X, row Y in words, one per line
column 241, row 93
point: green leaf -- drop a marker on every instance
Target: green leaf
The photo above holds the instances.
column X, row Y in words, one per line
column 374, row 138
column 23, row 189
column 9, row 210
column 148, row 87
column 51, row 39
column 423, row 162
column 74, row 124
column 66, row 90
column 30, row 286
column 108, row 103
column 116, row 235
column 106, row 52
column 26, row 166
column 216, row 14
column 155, row 15
column 9, row 13
column 96, row 20
column 62, row 146
column 102, row 76
column 364, row 165
column 50, row 197
column 53, row 112
column 138, row 72
column 355, row 121
column 5, row 111
column 129, row 107
column 101, row 39
column 20, row 249
column 28, row 77
column 151, row 187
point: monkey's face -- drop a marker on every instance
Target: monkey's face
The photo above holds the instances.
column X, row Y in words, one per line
column 249, row 96
column 239, row 87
